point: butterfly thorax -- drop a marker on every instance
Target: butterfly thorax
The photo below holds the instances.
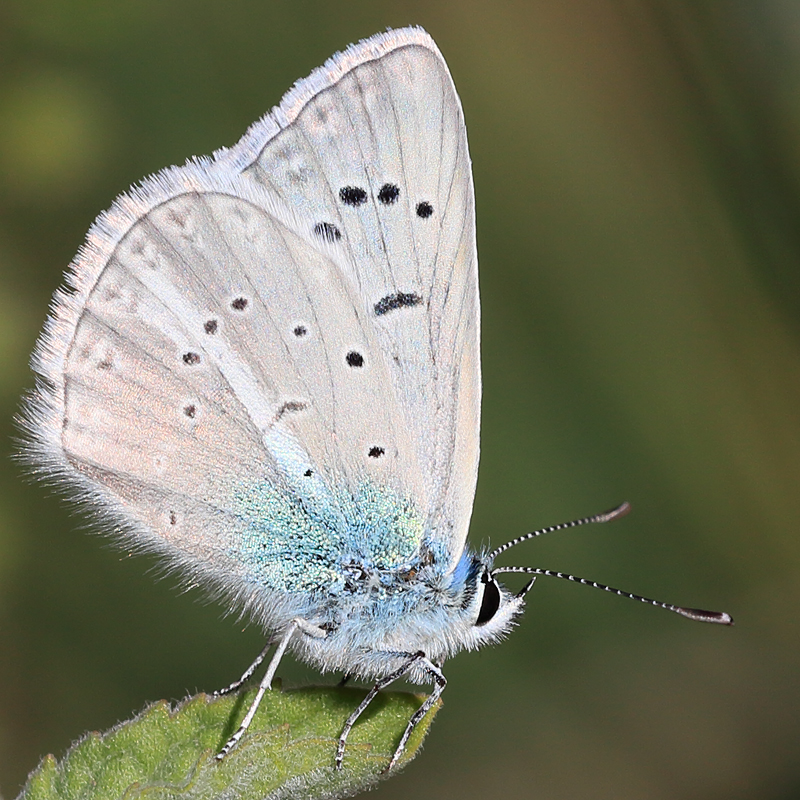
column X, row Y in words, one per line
column 382, row 616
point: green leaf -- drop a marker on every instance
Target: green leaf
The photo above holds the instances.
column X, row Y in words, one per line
column 289, row 750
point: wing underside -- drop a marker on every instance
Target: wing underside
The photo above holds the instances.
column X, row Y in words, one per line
column 264, row 347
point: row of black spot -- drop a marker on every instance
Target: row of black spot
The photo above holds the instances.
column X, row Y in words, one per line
column 356, row 196
column 387, row 195
column 211, row 326
column 191, row 359
column 353, row 358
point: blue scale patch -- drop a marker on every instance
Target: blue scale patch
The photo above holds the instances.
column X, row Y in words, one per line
column 300, row 545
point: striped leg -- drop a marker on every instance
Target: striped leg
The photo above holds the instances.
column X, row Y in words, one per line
column 248, row 673
column 439, row 682
column 266, row 681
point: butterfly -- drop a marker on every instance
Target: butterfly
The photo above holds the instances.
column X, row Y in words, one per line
column 266, row 368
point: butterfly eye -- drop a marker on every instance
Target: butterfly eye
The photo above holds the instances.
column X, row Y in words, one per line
column 491, row 600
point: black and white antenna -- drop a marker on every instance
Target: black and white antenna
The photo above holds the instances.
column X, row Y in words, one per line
column 719, row 617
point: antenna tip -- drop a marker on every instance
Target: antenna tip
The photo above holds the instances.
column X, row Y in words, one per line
column 719, row 617
column 615, row 513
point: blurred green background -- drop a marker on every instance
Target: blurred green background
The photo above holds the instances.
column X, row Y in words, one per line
column 637, row 168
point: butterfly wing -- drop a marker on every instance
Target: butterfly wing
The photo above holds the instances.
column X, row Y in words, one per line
column 374, row 145
column 264, row 355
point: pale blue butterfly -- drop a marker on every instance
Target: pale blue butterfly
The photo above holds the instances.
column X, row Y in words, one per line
column 266, row 368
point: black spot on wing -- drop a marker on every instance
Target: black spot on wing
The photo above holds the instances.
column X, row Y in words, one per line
column 300, row 330
column 352, row 195
column 327, row 231
column 290, row 406
column 190, row 359
column 211, row 326
column 424, row 210
column 389, row 193
column 354, row 359
column 376, row 452
column 239, row 304
column 396, row 300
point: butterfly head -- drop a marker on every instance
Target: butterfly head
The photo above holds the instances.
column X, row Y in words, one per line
column 492, row 608
column 488, row 608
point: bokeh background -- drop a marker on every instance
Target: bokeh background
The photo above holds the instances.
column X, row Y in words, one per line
column 637, row 167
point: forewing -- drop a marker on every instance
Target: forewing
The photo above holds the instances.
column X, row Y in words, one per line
column 374, row 146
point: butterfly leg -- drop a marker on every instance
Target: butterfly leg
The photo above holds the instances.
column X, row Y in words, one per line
column 266, row 681
column 248, row 673
column 439, row 682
